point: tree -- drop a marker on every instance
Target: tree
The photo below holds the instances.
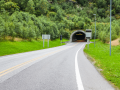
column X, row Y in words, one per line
column 5, row 15
column 22, row 3
column 31, row 33
column 55, row 1
column 25, row 33
column 101, row 12
column 81, row 24
column 101, row 3
column 9, row 6
column 18, row 29
column 4, row 28
column 42, row 7
column 59, row 16
column 37, row 31
column 82, row 2
column 4, row 24
column 2, row 2
column 117, row 5
column 87, row 20
column 11, row 29
column 30, row 7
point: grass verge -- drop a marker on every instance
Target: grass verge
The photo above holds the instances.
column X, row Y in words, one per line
column 8, row 47
column 110, row 65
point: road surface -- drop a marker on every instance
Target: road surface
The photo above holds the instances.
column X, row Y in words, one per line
column 59, row 68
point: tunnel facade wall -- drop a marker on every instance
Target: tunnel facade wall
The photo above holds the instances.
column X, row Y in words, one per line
column 78, row 31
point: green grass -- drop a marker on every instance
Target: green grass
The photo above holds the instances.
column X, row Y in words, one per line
column 8, row 47
column 92, row 40
column 110, row 65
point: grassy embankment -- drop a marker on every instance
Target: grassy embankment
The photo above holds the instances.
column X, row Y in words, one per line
column 110, row 65
column 8, row 47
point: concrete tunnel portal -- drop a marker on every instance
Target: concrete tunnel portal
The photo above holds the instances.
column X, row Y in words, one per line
column 78, row 36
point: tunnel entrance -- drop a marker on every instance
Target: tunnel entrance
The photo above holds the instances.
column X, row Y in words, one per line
column 78, row 36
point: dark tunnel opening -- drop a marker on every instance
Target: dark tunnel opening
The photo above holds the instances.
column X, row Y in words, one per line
column 78, row 37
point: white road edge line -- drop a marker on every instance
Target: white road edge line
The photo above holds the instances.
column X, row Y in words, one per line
column 78, row 77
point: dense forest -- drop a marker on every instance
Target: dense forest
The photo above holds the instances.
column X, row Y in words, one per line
column 29, row 19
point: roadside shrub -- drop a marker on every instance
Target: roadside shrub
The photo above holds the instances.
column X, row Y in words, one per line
column 37, row 32
column 31, row 33
column 18, row 29
column 64, row 33
column 114, row 34
column 2, row 26
column 4, row 30
column 25, row 32
column 11, row 30
column 103, row 37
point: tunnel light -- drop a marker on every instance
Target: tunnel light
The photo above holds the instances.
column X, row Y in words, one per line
column 79, row 34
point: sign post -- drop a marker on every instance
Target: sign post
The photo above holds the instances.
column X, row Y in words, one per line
column 48, row 42
column 43, row 42
column 45, row 36
column 61, row 39
column 88, row 42
column 88, row 36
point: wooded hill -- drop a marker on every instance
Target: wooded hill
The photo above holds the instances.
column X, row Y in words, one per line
column 29, row 19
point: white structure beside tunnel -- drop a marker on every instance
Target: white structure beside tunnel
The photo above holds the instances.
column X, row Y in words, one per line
column 88, row 34
column 80, row 35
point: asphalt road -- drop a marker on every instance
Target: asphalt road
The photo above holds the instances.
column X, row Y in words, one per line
column 59, row 68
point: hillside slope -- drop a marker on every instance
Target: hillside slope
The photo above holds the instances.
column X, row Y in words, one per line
column 29, row 19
